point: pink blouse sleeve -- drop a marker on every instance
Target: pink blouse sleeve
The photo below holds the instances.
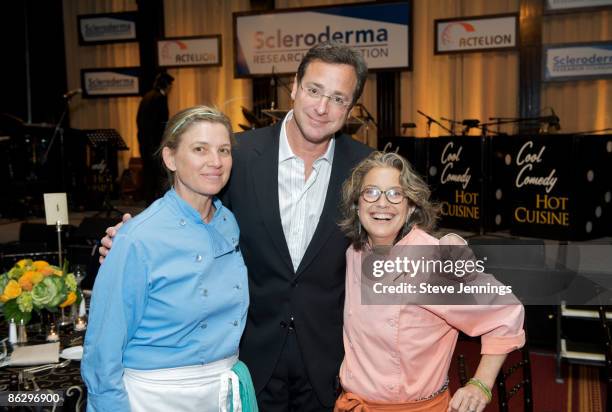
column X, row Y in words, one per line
column 500, row 326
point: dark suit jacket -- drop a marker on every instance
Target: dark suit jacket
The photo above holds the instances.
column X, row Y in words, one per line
column 314, row 295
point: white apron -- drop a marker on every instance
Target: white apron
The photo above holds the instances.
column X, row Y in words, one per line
column 198, row 388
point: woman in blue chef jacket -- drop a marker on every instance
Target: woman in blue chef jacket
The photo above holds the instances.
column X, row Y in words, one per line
column 169, row 304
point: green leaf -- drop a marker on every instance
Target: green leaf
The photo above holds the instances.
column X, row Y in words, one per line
column 65, row 266
column 11, row 311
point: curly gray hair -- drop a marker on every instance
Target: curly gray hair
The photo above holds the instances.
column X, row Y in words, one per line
column 425, row 213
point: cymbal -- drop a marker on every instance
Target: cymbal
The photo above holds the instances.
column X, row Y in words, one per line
column 275, row 114
column 10, row 124
column 251, row 118
column 352, row 125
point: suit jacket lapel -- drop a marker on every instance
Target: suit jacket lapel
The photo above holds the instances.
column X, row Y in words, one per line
column 264, row 177
column 330, row 215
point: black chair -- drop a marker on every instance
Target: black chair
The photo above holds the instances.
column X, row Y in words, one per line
column 503, row 394
column 607, row 339
column 463, row 375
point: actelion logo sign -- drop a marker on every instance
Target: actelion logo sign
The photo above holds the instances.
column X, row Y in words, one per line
column 476, row 33
column 182, row 55
column 194, row 51
column 454, row 30
column 459, row 34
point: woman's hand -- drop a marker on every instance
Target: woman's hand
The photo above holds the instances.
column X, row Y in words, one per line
column 107, row 241
column 475, row 395
column 470, row 398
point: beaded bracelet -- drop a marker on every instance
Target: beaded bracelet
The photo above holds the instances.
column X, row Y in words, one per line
column 478, row 383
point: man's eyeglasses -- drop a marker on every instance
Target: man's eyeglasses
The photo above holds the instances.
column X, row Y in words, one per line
column 371, row 194
column 336, row 100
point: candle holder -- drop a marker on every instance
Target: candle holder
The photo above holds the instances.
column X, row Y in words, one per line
column 80, row 323
column 64, row 318
column 53, row 333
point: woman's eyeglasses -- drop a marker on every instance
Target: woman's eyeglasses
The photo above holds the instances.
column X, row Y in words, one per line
column 371, row 194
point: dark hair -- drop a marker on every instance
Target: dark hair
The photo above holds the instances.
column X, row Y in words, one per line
column 415, row 189
column 336, row 53
column 162, row 80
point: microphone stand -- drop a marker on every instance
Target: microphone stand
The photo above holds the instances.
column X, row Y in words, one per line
column 276, row 81
column 452, row 123
column 431, row 120
column 273, row 89
column 368, row 115
column 58, row 131
column 485, row 129
column 368, row 118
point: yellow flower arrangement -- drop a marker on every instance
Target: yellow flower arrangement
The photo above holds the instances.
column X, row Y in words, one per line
column 11, row 291
column 70, row 299
column 35, row 285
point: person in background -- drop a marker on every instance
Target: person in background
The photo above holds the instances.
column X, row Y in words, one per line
column 284, row 192
column 169, row 304
column 397, row 356
column 151, row 121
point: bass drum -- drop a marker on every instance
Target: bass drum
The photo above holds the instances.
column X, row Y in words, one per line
column 14, row 166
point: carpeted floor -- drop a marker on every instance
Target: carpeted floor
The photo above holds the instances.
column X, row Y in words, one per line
column 583, row 388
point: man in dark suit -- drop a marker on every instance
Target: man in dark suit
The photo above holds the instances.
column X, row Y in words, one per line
column 285, row 192
column 151, row 120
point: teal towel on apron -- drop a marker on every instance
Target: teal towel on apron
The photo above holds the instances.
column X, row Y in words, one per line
column 247, row 390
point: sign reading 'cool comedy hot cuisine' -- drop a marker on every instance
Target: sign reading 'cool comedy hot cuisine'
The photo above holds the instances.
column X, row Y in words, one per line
column 276, row 42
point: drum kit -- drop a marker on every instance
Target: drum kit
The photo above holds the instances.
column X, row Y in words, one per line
column 33, row 162
column 359, row 117
column 22, row 147
column 24, row 162
column 258, row 117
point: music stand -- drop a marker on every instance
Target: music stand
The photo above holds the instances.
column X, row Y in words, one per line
column 107, row 140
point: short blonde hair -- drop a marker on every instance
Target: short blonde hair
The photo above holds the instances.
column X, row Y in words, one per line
column 425, row 213
column 180, row 122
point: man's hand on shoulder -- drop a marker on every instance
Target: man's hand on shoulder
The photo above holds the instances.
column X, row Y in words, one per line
column 107, row 241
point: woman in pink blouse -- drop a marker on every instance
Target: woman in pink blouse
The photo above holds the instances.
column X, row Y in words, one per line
column 397, row 356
